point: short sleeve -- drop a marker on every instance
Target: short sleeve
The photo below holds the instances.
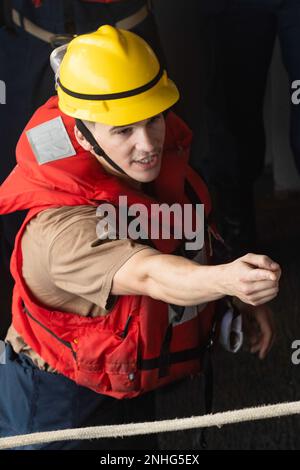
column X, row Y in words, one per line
column 82, row 264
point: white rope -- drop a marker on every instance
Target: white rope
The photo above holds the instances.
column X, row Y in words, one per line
column 122, row 430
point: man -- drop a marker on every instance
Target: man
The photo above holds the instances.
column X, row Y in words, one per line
column 100, row 321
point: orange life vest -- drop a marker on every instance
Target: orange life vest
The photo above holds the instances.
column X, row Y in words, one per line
column 142, row 343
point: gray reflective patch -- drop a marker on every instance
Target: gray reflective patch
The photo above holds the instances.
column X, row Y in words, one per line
column 50, row 141
column 189, row 313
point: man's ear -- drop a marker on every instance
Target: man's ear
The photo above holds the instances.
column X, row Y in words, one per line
column 82, row 140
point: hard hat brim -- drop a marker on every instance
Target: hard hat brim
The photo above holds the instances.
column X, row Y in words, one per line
column 122, row 111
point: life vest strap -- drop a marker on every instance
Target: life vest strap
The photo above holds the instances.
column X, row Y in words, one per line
column 174, row 358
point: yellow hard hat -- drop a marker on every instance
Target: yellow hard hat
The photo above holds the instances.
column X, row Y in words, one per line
column 112, row 76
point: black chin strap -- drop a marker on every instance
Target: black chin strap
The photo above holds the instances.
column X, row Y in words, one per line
column 96, row 147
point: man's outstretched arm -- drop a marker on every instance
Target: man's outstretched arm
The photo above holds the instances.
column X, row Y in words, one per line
column 173, row 279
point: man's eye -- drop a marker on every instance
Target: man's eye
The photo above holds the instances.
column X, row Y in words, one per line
column 125, row 131
column 154, row 119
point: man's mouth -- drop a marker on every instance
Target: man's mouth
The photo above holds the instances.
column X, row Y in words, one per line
column 147, row 162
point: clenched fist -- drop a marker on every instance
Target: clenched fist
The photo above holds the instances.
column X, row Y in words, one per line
column 254, row 279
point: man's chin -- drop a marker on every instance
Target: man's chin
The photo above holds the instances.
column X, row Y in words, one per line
column 147, row 176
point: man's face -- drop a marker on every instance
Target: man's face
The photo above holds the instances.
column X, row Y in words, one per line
column 136, row 148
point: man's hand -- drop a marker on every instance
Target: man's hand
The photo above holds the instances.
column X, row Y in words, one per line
column 258, row 327
column 254, row 279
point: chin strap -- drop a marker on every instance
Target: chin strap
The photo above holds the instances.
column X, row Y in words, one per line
column 96, row 147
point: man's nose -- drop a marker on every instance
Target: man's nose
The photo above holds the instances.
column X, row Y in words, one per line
column 145, row 141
